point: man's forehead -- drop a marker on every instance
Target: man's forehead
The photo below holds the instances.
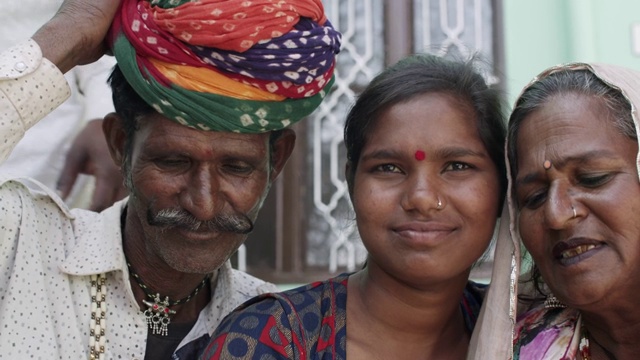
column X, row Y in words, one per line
column 159, row 132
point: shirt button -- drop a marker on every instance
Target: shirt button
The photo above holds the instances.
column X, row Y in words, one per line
column 20, row 66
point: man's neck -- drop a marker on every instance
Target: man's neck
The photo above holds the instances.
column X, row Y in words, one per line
column 158, row 277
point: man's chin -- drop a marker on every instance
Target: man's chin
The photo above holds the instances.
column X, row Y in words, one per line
column 197, row 268
column 195, row 252
column 198, row 259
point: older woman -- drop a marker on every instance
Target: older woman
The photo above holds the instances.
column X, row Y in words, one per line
column 573, row 154
column 426, row 177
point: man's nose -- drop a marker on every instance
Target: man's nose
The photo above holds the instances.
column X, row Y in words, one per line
column 201, row 195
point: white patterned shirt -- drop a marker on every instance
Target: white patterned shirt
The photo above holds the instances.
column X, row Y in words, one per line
column 48, row 253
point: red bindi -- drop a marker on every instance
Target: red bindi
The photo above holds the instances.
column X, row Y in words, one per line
column 420, row 155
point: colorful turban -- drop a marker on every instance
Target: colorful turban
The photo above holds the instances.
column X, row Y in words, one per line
column 247, row 66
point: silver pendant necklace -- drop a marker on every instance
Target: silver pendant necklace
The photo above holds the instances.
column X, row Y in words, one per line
column 158, row 312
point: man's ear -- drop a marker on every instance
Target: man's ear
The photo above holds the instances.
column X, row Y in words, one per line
column 282, row 149
column 113, row 128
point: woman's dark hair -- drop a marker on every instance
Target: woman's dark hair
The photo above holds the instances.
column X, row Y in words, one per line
column 422, row 74
column 581, row 82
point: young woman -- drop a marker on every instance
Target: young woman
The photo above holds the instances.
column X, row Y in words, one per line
column 426, row 178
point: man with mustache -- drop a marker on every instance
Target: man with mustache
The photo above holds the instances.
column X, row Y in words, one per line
column 200, row 132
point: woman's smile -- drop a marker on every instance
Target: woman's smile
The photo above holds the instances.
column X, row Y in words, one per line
column 424, row 233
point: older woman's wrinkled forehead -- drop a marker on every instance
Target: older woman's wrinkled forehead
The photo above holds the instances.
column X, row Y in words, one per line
column 578, row 79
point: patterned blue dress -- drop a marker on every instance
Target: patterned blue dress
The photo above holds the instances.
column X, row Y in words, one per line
column 308, row 322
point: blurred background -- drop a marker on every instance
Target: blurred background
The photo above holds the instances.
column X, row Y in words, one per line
column 306, row 231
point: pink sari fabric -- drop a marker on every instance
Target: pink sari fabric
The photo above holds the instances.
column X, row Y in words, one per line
column 547, row 334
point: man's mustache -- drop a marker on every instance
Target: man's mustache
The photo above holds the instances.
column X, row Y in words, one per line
column 180, row 218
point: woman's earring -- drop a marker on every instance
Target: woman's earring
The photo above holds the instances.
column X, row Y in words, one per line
column 552, row 302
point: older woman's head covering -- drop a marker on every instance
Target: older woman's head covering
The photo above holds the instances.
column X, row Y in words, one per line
column 247, row 66
column 493, row 335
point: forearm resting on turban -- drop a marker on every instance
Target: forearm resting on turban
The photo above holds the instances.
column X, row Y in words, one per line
column 75, row 35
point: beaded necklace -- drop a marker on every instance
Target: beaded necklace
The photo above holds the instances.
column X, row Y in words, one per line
column 158, row 312
column 97, row 340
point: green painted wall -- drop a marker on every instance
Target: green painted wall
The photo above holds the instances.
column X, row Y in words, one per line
column 542, row 33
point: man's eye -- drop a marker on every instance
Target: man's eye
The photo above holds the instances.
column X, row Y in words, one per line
column 239, row 168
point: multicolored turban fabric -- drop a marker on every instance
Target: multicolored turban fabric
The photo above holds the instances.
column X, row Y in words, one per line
column 247, row 66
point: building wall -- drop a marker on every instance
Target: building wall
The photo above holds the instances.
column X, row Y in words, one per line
column 542, row 33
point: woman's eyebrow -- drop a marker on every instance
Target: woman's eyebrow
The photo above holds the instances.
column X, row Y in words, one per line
column 580, row 159
column 457, row 151
column 382, row 154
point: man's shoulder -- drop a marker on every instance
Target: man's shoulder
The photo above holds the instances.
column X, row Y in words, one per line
column 24, row 187
column 31, row 196
column 232, row 288
column 248, row 284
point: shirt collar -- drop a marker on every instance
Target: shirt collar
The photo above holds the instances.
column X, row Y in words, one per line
column 98, row 242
